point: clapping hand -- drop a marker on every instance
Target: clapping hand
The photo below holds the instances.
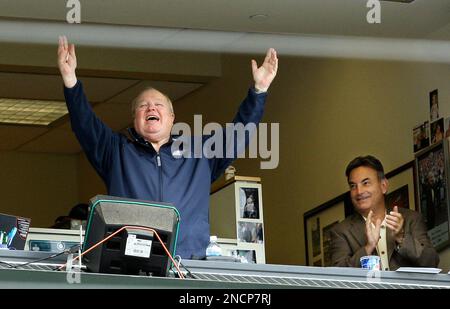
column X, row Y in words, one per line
column 395, row 222
column 372, row 233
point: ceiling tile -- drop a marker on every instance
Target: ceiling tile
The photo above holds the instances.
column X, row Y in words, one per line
column 49, row 87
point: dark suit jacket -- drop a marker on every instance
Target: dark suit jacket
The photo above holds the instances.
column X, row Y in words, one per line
column 348, row 239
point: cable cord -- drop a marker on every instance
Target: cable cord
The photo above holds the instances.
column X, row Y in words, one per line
column 188, row 272
column 15, row 266
column 130, row 228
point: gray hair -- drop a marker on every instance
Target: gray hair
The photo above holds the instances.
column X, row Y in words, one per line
column 135, row 100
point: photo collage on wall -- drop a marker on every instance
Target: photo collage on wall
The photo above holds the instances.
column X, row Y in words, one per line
column 250, row 221
column 433, row 196
column 438, row 127
column 432, row 131
column 431, row 160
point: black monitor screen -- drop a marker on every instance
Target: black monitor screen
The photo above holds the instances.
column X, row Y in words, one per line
column 135, row 250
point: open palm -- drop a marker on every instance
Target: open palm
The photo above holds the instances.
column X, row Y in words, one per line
column 264, row 75
column 67, row 62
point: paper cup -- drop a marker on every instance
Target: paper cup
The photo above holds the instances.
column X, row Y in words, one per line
column 370, row 262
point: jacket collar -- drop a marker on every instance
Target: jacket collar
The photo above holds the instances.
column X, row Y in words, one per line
column 135, row 137
column 138, row 139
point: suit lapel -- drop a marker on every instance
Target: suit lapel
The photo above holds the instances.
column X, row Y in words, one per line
column 358, row 229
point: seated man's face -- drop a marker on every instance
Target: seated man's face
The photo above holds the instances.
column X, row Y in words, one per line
column 153, row 118
column 366, row 189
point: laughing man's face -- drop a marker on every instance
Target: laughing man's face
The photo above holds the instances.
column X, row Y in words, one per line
column 153, row 116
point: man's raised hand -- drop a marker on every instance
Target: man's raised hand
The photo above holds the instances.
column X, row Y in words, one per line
column 67, row 62
column 395, row 222
column 372, row 233
column 264, row 75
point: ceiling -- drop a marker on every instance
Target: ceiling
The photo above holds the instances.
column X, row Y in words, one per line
column 419, row 19
column 299, row 27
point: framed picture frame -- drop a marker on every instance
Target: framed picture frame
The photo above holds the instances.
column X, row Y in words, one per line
column 421, row 136
column 434, row 105
column 437, row 131
column 250, row 232
column 242, row 224
column 402, row 187
column 246, row 252
column 318, row 222
column 432, row 178
column 249, row 203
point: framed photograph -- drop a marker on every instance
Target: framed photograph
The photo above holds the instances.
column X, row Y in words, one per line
column 402, row 186
column 437, row 131
column 247, row 252
column 432, row 178
column 399, row 198
column 421, row 136
column 327, row 243
column 447, row 127
column 434, row 105
column 247, row 256
column 249, row 203
column 250, row 232
column 319, row 221
column 317, row 238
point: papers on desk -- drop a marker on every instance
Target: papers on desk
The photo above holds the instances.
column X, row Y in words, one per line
column 420, row 270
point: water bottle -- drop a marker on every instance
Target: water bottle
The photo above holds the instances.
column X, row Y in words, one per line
column 213, row 248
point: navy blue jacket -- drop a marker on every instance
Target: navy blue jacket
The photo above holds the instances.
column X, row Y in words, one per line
column 131, row 168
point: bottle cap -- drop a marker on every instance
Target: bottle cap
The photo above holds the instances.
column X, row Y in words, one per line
column 213, row 238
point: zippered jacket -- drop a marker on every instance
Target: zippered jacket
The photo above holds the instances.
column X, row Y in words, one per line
column 131, row 168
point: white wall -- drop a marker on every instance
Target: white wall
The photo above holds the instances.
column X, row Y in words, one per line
column 38, row 186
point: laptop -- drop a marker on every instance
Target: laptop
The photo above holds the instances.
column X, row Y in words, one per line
column 13, row 231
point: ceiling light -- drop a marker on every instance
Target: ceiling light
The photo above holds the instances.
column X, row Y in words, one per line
column 31, row 112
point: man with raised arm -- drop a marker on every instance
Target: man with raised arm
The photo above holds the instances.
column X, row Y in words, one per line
column 142, row 165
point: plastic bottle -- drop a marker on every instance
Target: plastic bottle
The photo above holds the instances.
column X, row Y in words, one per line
column 213, row 248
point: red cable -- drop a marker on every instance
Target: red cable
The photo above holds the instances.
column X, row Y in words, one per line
column 131, row 228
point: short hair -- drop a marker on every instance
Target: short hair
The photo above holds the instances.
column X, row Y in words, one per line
column 79, row 211
column 367, row 161
column 135, row 100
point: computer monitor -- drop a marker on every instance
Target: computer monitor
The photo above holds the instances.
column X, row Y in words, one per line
column 133, row 251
